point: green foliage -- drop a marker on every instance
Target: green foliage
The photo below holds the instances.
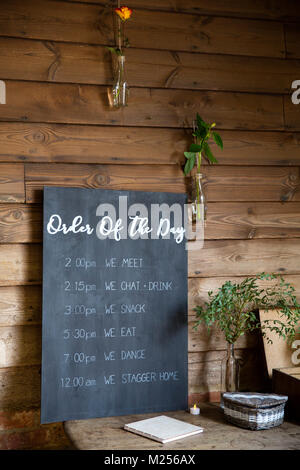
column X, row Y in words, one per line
column 234, row 308
column 114, row 50
column 201, row 134
column 218, row 139
column 191, row 159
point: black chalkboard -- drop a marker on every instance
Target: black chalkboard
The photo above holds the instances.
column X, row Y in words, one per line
column 114, row 334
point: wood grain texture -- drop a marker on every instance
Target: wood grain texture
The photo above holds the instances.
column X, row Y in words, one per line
column 20, row 223
column 16, row 419
column 278, row 353
column 292, row 35
column 271, row 9
column 231, row 220
column 20, row 345
column 35, row 142
column 204, row 367
column 137, row 177
column 207, row 34
column 205, row 370
column 20, row 305
column 220, row 183
column 108, row 434
column 205, row 374
column 292, row 113
column 20, row 264
column 257, row 220
column 62, row 62
column 40, row 437
column 245, row 257
column 201, row 341
column 251, row 183
column 12, row 187
column 20, row 387
column 38, row 142
column 198, row 288
column 88, row 104
column 225, row 60
column 54, row 20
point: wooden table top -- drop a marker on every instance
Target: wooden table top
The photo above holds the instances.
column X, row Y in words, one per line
column 108, row 433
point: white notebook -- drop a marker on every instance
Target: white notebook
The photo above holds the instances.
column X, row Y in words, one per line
column 163, row 429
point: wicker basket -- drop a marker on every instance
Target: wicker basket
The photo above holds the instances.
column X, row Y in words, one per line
column 254, row 411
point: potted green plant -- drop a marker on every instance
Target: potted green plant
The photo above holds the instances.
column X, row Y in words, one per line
column 202, row 133
column 233, row 309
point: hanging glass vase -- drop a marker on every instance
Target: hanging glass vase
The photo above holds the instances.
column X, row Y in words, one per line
column 118, row 95
column 199, row 208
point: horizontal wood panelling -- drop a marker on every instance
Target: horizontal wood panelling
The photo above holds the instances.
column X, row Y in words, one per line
column 20, row 345
column 200, row 340
column 39, row 437
column 36, row 142
column 205, row 370
column 257, row 220
column 20, row 264
column 259, row 148
column 292, row 112
column 233, row 62
column 221, row 183
column 96, row 144
column 205, row 375
column 292, row 38
column 20, row 223
column 245, row 257
column 20, row 387
column 232, row 220
column 88, row 104
column 137, row 177
column 20, row 305
column 12, row 187
column 251, row 183
column 198, row 288
column 271, row 9
column 151, row 30
column 62, row 62
column 13, row 419
column 206, row 34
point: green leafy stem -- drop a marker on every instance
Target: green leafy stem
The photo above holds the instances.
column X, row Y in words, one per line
column 202, row 133
column 233, row 309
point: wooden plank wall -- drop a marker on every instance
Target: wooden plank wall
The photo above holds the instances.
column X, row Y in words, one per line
column 234, row 63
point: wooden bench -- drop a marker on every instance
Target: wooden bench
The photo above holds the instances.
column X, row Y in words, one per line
column 108, row 434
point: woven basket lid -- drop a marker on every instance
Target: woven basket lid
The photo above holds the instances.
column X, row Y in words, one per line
column 254, row 400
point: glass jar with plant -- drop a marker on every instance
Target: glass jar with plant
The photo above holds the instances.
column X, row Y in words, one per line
column 202, row 132
column 233, row 309
column 118, row 94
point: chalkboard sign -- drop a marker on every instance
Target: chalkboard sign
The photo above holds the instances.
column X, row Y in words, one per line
column 114, row 336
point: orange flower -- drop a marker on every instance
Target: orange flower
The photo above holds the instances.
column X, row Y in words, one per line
column 124, row 13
